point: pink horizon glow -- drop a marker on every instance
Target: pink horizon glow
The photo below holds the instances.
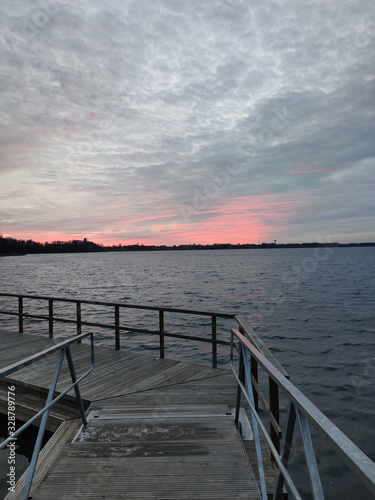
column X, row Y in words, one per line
column 242, row 220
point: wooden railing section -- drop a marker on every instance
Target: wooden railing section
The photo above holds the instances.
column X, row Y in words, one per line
column 271, row 406
column 117, row 325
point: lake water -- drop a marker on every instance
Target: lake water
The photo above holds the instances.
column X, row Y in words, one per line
column 314, row 309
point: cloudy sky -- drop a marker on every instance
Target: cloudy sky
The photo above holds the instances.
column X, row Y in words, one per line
column 187, row 121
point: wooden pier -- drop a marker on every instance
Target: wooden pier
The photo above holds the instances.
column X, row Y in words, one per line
column 157, row 428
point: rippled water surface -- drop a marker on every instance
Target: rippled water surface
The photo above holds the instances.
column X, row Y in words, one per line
column 314, row 308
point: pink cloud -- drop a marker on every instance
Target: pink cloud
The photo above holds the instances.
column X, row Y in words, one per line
column 305, row 168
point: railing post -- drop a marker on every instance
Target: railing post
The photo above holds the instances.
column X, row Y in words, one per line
column 20, row 314
column 274, row 408
column 76, row 388
column 79, row 319
column 312, row 466
column 161, row 330
column 42, row 427
column 50, row 318
column 241, row 376
column 117, row 328
column 214, row 345
column 258, row 447
column 254, row 373
column 290, row 423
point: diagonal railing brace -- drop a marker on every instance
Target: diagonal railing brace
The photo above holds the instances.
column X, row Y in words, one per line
column 64, row 349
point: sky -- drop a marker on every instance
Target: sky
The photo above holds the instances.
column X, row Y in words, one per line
column 183, row 121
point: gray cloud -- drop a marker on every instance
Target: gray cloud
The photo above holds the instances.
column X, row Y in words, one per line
column 145, row 110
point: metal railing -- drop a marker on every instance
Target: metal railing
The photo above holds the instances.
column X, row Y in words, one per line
column 64, row 350
column 301, row 410
column 272, row 406
column 117, row 326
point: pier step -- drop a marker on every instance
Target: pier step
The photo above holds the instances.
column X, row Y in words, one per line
column 30, row 399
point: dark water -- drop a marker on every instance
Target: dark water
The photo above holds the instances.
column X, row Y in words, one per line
column 314, row 308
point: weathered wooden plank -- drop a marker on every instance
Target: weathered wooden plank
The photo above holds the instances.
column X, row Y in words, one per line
column 47, row 456
column 16, row 346
column 129, row 372
column 166, row 457
column 156, row 443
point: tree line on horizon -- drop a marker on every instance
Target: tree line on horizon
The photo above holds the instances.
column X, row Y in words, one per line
column 11, row 246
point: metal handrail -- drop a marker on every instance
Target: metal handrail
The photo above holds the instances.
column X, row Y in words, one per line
column 272, row 407
column 302, row 410
column 128, row 306
column 64, row 349
column 117, row 326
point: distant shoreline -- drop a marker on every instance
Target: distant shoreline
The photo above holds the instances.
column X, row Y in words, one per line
column 15, row 254
column 68, row 248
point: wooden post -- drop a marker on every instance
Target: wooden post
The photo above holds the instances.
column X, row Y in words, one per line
column 161, row 330
column 214, row 345
column 50, row 318
column 254, row 373
column 20, row 314
column 79, row 319
column 117, row 328
column 274, row 408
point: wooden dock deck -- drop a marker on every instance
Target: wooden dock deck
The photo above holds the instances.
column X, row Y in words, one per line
column 157, row 428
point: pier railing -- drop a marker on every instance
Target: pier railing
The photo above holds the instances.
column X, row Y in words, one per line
column 63, row 348
column 253, row 357
column 272, row 406
column 302, row 412
column 117, row 326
